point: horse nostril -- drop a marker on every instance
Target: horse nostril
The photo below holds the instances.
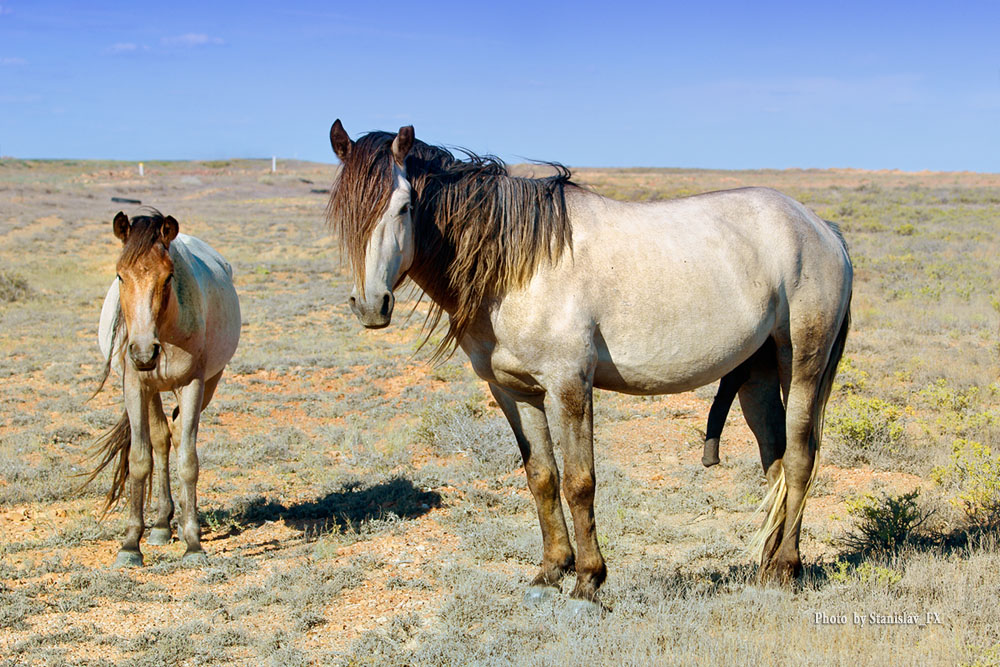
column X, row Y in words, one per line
column 156, row 351
column 385, row 303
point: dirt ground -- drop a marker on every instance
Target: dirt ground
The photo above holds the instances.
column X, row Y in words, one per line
column 361, row 506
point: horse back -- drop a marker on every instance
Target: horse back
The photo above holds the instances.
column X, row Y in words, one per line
column 208, row 299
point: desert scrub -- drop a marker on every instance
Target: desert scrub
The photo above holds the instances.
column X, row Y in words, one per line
column 883, row 524
column 466, row 429
column 850, row 379
column 873, row 575
column 963, row 411
column 13, row 287
column 866, row 430
column 973, row 474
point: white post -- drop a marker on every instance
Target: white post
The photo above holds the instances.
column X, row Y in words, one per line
column 140, row 169
column 274, row 164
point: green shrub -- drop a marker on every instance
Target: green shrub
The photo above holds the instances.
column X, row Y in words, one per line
column 974, row 474
column 867, row 430
column 868, row 423
column 962, row 408
column 13, row 287
column 850, row 378
column 883, row 524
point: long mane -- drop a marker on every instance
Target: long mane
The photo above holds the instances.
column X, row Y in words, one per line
column 480, row 231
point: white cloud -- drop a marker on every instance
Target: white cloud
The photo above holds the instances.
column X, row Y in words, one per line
column 192, row 39
column 123, row 47
column 12, row 62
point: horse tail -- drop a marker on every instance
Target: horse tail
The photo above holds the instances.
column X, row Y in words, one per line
column 777, row 496
column 116, row 443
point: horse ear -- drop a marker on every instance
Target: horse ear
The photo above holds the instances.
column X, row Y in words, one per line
column 402, row 144
column 340, row 142
column 120, row 225
column 168, row 229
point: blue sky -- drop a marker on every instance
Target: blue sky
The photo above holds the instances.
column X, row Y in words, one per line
column 905, row 85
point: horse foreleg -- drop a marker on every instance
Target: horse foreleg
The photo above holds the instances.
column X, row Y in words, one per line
column 526, row 415
column 190, row 400
column 569, row 406
column 139, row 468
column 159, row 431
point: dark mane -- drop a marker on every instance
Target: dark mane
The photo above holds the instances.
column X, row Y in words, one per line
column 143, row 234
column 479, row 230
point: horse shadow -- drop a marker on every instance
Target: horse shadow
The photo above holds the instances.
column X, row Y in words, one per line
column 347, row 510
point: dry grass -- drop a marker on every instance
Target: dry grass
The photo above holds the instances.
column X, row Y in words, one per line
column 361, row 507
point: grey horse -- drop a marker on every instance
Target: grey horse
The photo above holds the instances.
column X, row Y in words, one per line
column 552, row 290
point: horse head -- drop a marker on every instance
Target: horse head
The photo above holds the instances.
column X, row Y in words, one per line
column 145, row 272
column 387, row 250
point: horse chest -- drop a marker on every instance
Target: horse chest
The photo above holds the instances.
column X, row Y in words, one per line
column 499, row 366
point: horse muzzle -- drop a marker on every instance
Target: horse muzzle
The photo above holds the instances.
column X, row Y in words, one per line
column 144, row 357
column 375, row 315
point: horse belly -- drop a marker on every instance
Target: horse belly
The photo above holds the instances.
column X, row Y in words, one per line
column 673, row 361
column 223, row 330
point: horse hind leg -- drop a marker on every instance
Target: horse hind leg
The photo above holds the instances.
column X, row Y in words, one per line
column 728, row 387
column 815, row 355
column 159, row 431
column 764, row 412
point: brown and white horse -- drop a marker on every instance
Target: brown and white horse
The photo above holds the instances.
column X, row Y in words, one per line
column 553, row 290
column 170, row 322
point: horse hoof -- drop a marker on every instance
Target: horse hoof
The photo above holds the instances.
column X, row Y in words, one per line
column 577, row 608
column 536, row 595
column 195, row 559
column 159, row 537
column 127, row 559
column 710, row 456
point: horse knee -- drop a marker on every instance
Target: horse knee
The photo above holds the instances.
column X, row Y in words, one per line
column 542, row 479
column 140, row 463
column 188, row 470
column 579, row 488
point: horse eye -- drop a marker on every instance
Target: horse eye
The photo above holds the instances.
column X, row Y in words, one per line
column 405, row 209
column 119, row 276
column 169, row 278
